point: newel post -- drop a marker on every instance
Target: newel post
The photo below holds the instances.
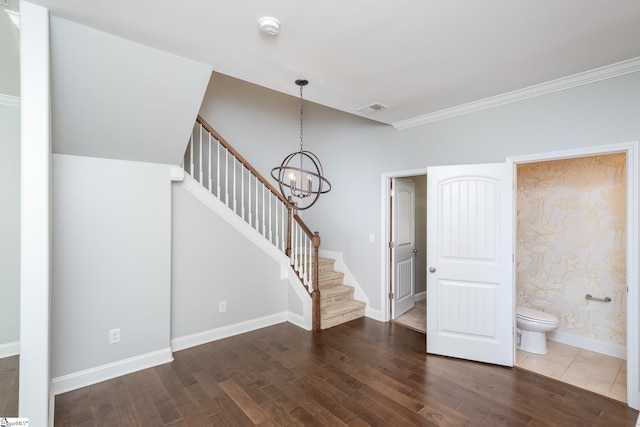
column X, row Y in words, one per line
column 290, row 213
column 315, row 294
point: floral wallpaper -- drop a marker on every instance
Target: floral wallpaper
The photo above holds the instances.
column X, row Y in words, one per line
column 571, row 242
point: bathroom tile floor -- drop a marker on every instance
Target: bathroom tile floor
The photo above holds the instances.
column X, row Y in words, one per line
column 586, row 369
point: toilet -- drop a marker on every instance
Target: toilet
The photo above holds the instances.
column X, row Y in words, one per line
column 533, row 326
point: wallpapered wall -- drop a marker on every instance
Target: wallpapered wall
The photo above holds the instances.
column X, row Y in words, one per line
column 571, row 242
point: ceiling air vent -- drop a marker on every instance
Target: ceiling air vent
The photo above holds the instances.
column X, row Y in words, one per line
column 372, row 108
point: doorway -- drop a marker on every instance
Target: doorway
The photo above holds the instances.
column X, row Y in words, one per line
column 414, row 317
column 632, row 238
column 579, row 350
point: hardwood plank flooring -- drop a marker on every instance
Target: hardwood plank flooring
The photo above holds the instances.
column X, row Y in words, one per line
column 358, row 374
column 9, row 377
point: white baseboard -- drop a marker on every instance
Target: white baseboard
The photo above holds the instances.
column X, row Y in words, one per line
column 610, row 349
column 98, row 374
column 373, row 314
column 299, row 321
column 420, row 296
column 200, row 338
column 9, row 349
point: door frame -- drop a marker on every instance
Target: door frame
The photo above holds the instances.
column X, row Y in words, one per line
column 633, row 220
column 385, row 232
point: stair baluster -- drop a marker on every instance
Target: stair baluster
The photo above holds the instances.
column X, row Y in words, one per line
column 295, row 239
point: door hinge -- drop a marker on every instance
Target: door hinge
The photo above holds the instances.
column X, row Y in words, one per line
column 390, row 295
column 391, row 245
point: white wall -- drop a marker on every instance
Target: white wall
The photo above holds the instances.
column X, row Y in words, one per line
column 212, row 262
column 9, row 227
column 263, row 126
column 111, row 261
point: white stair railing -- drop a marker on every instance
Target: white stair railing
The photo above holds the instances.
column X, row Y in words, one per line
column 219, row 169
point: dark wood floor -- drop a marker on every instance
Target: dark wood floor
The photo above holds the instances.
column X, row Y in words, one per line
column 9, row 378
column 361, row 373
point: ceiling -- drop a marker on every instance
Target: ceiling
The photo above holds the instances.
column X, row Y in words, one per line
column 418, row 57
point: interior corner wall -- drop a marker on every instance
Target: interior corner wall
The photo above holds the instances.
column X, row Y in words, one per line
column 9, row 225
column 212, row 262
column 10, row 54
column 111, row 261
column 355, row 152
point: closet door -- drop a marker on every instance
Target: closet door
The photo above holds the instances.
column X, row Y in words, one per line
column 470, row 292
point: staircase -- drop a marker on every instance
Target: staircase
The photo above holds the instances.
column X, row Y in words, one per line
column 221, row 171
column 337, row 305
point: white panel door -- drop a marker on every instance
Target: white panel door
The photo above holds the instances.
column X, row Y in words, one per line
column 403, row 248
column 470, row 297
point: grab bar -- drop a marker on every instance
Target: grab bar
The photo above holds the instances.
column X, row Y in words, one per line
column 605, row 299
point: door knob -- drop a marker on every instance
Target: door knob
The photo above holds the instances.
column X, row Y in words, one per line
column 432, row 269
column 415, row 251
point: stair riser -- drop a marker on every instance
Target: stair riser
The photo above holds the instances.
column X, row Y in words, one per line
column 343, row 318
column 324, row 268
column 336, row 299
column 329, row 283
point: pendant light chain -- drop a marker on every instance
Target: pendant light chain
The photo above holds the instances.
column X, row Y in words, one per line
column 301, row 116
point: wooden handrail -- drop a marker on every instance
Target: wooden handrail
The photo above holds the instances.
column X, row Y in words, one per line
column 292, row 215
column 242, row 160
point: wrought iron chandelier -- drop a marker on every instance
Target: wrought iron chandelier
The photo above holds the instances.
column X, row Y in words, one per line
column 300, row 175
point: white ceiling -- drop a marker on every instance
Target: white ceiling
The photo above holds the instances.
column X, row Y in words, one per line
column 419, row 57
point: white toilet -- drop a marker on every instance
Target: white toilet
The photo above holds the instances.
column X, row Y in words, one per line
column 533, row 326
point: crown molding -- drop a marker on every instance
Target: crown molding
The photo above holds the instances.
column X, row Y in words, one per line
column 12, row 101
column 591, row 76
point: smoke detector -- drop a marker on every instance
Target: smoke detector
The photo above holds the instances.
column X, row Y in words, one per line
column 269, row 25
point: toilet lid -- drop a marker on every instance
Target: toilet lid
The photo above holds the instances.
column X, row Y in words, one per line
column 537, row 315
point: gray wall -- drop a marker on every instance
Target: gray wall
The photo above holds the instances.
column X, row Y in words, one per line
column 115, row 99
column 9, row 184
column 10, row 224
column 10, row 63
column 212, row 262
column 263, row 126
column 111, row 261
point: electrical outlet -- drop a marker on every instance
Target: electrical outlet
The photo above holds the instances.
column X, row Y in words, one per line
column 114, row 336
column 222, row 306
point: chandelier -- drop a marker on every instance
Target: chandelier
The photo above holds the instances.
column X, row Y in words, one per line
column 300, row 175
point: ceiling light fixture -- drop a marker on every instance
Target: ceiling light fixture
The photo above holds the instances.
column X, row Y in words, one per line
column 269, row 25
column 300, row 175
